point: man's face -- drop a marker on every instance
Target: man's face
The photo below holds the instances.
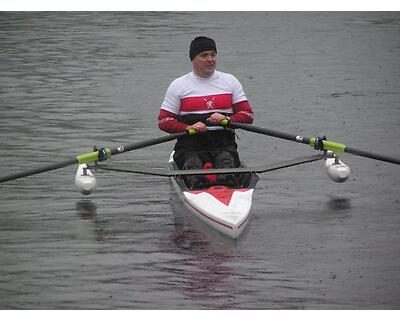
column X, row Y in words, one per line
column 204, row 63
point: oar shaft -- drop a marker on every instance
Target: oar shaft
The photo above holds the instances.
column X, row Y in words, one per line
column 147, row 143
column 372, row 155
column 32, row 172
column 93, row 156
column 327, row 145
column 269, row 132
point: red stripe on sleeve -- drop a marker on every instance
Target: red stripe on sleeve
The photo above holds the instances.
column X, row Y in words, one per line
column 168, row 122
column 242, row 112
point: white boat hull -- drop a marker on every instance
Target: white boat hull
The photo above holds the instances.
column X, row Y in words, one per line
column 226, row 210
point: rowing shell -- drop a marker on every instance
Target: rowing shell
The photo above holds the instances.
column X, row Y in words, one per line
column 225, row 209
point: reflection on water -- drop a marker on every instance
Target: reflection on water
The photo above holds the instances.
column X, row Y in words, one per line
column 87, row 210
column 339, row 204
column 205, row 270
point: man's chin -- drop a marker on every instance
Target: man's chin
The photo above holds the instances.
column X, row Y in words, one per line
column 210, row 70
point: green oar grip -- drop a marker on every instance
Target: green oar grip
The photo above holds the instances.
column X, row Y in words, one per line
column 192, row 132
column 91, row 156
column 330, row 145
column 224, row 122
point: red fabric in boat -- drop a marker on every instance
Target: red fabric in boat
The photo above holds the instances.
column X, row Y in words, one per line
column 212, row 178
column 221, row 193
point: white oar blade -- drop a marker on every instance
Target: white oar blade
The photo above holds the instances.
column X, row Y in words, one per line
column 85, row 181
column 336, row 170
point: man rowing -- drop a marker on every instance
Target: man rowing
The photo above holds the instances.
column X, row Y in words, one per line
column 200, row 100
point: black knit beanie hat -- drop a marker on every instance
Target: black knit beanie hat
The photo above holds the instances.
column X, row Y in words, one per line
column 201, row 44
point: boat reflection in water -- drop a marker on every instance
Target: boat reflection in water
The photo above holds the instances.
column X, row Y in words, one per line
column 205, row 274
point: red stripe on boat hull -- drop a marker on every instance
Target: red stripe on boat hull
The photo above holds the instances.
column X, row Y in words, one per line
column 212, row 219
column 221, row 193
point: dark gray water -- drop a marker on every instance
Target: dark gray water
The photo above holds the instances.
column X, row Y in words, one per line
column 69, row 81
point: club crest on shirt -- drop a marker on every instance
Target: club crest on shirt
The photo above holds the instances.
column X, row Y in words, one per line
column 209, row 103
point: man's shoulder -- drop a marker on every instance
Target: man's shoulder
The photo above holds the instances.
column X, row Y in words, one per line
column 177, row 84
column 225, row 76
column 183, row 78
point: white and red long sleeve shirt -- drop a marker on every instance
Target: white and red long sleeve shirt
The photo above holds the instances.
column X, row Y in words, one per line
column 190, row 99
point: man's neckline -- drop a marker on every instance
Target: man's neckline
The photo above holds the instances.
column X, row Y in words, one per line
column 201, row 78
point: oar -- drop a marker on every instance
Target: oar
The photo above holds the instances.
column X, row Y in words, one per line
column 325, row 144
column 99, row 155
